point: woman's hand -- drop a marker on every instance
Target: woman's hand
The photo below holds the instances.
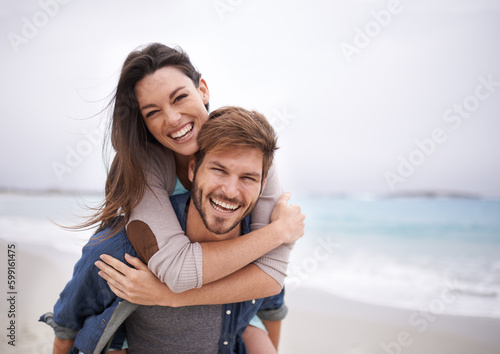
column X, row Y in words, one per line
column 137, row 285
column 289, row 219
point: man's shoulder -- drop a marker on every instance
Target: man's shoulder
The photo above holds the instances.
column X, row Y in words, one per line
column 245, row 225
column 179, row 204
column 180, row 199
column 106, row 242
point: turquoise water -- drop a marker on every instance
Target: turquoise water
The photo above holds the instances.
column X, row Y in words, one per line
column 406, row 253
column 413, row 253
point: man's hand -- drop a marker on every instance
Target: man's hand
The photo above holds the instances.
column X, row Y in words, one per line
column 137, row 285
column 289, row 219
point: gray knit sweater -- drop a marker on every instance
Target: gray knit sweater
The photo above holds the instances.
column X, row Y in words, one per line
column 155, row 233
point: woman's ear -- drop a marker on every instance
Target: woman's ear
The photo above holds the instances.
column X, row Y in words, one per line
column 204, row 92
column 191, row 167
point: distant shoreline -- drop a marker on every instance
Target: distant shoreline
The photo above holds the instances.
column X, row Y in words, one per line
column 359, row 196
column 68, row 192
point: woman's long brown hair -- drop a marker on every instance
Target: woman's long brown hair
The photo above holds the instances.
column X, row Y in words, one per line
column 126, row 180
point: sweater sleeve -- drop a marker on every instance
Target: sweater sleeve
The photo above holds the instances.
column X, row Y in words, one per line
column 155, row 232
column 275, row 262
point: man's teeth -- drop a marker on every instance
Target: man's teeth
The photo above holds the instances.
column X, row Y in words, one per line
column 224, row 205
column 182, row 132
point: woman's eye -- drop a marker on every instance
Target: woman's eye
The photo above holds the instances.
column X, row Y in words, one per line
column 151, row 113
column 180, row 97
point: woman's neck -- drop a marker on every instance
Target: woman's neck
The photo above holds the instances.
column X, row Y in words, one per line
column 181, row 170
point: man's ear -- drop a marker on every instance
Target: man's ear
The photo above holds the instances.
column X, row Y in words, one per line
column 191, row 167
column 205, row 93
column 263, row 185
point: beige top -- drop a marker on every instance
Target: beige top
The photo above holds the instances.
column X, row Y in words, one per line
column 157, row 236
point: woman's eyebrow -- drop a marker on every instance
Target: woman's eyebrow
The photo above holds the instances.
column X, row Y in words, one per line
column 175, row 91
column 170, row 96
column 147, row 106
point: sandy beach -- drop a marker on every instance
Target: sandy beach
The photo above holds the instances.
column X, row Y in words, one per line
column 317, row 322
column 321, row 323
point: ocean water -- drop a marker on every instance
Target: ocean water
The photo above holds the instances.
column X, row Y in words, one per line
column 426, row 254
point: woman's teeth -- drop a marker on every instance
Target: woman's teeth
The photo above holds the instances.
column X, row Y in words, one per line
column 183, row 132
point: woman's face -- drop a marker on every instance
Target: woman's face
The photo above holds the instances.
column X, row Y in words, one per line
column 173, row 108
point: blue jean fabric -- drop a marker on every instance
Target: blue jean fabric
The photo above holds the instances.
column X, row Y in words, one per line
column 86, row 307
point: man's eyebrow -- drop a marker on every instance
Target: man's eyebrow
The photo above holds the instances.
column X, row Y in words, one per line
column 252, row 174
column 174, row 92
column 222, row 167
column 216, row 163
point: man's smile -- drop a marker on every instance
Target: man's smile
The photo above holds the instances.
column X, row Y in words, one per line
column 223, row 206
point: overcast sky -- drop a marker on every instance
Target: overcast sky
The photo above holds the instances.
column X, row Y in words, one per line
column 368, row 97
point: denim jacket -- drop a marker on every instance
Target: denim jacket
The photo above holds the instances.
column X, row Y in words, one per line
column 91, row 314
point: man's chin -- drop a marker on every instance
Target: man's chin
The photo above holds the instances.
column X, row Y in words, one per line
column 221, row 228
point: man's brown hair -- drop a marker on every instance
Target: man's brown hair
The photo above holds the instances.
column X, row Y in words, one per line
column 229, row 127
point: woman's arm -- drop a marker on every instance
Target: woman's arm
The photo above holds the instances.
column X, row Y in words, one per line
column 139, row 285
column 274, row 262
column 252, row 245
column 155, row 233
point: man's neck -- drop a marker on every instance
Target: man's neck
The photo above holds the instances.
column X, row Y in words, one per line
column 196, row 230
column 181, row 169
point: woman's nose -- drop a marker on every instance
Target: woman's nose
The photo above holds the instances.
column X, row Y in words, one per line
column 172, row 117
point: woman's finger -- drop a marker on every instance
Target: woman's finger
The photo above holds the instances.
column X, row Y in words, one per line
column 285, row 197
column 111, row 275
column 117, row 291
column 108, row 269
column 136, row 262
column 116, row 264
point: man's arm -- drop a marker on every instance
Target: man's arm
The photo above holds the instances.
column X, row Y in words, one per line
column 85, row 296
column 272, row 311
column 139, row 285
column 62, row 346
column 274, row 331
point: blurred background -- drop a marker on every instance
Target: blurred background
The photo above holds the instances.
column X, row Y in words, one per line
column 350, row 86
column 388, row 114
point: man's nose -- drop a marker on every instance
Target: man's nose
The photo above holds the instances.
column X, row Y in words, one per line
column 230, row 187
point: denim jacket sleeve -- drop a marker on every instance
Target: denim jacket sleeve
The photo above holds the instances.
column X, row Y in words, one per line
column 273, row 308
column 87, row 294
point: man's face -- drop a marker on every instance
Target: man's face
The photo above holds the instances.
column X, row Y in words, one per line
column 226, row 187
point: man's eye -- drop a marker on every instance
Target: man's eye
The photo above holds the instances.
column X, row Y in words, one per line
column 180, row 97
column 252, row 179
